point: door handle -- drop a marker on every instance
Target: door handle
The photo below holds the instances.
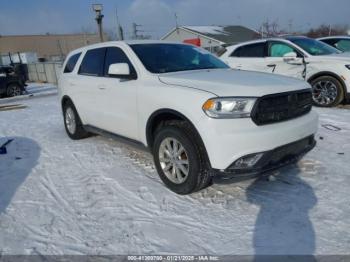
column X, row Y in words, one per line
column 71, row 84
column 102, row 87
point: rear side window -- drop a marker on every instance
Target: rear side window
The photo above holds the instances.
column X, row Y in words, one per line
column 115, row 55
column 252, row 50
column 72, row 61
column 92, row 63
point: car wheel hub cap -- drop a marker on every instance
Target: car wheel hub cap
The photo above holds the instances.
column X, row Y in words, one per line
column 324, row 92
column 173, row 160
column 70, row 120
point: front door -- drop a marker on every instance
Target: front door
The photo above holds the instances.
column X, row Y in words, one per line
column 116, row 98
column 277, row 64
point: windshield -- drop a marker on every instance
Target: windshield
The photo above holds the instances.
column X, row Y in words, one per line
column 165, row 58
column 314, row 47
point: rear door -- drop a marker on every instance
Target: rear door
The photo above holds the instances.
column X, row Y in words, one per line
column 85, row 83
column 277, row 64
column 249, row 57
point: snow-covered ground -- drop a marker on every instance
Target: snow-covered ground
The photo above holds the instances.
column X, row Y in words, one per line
column 100, row 196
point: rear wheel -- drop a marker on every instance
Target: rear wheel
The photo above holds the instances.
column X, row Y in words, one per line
column 327, row 91
column 72, row 122
column 14, row 90
column 178, row 158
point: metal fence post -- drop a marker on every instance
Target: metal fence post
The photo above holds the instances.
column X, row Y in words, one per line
column 36, row 70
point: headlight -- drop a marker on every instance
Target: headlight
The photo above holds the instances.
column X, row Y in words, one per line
column 229, row 107
column 347, row 66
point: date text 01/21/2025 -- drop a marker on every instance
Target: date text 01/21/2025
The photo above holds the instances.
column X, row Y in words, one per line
column 173, row 258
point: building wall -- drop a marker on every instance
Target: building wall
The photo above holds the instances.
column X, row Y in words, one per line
column 180, row 35
column 46, row 46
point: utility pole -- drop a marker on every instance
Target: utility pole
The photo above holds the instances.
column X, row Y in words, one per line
column 176, row 23
column 135, row 30
column 99, row 16
column 239, row 20
column 290, row 24
column 330, row 30
column 120, row 32
column 60, row 48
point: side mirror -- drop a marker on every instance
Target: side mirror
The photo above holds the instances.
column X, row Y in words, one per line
column 291, row 56
column 120, row 70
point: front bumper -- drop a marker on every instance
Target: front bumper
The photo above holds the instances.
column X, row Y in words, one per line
column 227, row 140
column 270, row 160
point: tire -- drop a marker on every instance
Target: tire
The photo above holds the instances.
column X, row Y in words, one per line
column 72, row 122
column 198, row 175
column 327, row 91
column 13, row 90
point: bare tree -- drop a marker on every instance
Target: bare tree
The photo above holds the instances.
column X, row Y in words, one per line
column 327, row 30
column 271, row 29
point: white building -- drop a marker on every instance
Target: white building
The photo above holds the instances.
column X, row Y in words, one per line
column 211, row 37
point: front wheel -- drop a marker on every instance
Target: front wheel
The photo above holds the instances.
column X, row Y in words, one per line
column 13, row 90
column 178, row 158
column 327, row 91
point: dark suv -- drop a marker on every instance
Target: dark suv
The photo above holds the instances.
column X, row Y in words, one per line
column 11, row 84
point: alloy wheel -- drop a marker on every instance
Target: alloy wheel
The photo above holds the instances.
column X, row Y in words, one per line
column 14, row 91
column 174, row 160
column 70, row 120
column 324, row 92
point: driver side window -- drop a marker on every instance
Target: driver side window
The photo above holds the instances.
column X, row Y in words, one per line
column 277, row 49
column 115, row 55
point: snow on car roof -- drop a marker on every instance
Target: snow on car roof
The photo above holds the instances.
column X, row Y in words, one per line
column 213, row 30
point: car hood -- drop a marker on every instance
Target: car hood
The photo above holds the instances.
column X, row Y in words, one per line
column 230, row 82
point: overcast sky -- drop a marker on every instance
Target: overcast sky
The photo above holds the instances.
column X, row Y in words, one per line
column 157, row 16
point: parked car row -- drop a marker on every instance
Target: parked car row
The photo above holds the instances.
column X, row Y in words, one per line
column 326, row 68
column 202, row 120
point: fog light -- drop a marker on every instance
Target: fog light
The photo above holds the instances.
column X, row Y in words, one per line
column 247, row 161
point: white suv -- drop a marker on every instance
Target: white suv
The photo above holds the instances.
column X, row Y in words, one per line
column 340, row 42
column 202, row 121
column 324, row 67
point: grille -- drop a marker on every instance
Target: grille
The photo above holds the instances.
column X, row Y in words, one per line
column 281, row 107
